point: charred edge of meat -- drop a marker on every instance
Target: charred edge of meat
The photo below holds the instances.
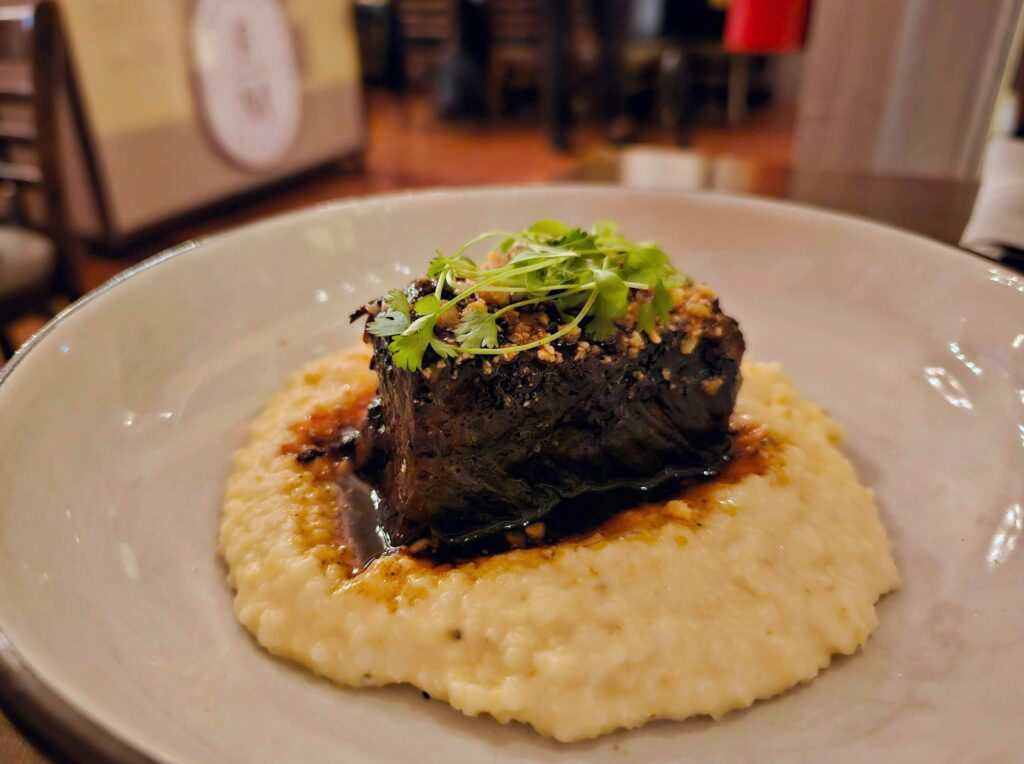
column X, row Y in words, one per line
column 573, row 517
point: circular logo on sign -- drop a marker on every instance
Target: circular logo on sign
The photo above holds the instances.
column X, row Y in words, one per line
column 247, row 79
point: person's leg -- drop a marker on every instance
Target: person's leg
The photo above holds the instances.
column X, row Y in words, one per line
column 461, row 83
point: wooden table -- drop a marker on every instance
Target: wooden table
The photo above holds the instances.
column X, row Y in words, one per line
column 934, row 208
column 15, row 749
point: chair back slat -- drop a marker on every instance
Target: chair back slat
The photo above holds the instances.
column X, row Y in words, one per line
column 427, row 29
column 20, row 173
column 16, row 31
column 516, row 20
column 17, row 132
column 32, row 76
column 427, row 20
column 17, row 92
column 33, row 67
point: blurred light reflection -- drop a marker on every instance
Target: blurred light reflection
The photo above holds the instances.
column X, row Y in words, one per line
column 959, row 355
column 128, row 561
column 1014, row 282
column 948, row 387
column 1005, row 540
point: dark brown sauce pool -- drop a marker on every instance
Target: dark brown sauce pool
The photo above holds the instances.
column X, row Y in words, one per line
column 320, row 438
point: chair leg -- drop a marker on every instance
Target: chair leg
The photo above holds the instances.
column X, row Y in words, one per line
column 6, row 345
column 738, row 90
column 65, row 280
column 495, row 90
column 680, row 87
column 554, row 81
column 72, row 290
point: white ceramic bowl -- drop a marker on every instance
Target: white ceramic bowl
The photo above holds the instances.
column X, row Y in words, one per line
column 118, row 421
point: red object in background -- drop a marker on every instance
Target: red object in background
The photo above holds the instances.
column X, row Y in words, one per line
column 765, row 26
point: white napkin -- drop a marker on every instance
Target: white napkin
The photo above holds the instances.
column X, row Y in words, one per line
column 997, row 219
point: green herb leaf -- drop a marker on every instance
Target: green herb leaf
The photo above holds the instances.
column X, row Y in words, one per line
column 647, row 257
column 612, row 292
column 586, row 276
column 676, row 279
column 427, row 306
column 658, row 308
column 550, row 228
column 396, row 300
column 388, row 324
column 459, row 264
column 662, row 302
column 611, row 304
column 477, row 330
column 579, row 241
column 645, row 318
column 437, row 265
column 407, row 349
column 443, row 349
column 601, row 327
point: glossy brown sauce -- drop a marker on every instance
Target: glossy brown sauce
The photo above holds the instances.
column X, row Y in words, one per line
column 753, row 453
column 315, row 435
column 357, row 539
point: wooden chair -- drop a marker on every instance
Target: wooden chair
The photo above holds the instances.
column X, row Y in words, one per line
column 519, row 55
column 427, row 29
column 36, row 246
column 516, row 54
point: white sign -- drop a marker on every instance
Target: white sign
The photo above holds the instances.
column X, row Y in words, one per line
column 247, row 79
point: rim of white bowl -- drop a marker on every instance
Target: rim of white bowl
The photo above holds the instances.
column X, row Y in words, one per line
column 39, row 708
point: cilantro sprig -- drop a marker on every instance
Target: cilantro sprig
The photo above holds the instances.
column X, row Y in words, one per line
column 588, row 277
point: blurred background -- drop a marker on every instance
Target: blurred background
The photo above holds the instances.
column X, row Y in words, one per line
column 128, row 126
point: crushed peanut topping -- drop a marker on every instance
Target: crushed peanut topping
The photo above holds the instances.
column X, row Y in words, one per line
column 548, row 354
column 712, row 385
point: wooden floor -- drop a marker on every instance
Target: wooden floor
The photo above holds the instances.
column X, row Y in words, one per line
column 410, row 148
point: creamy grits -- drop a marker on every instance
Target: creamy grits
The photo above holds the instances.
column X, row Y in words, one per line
column 734, row 592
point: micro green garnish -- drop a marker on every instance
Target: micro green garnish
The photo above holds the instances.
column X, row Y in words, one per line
column 585, row 275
